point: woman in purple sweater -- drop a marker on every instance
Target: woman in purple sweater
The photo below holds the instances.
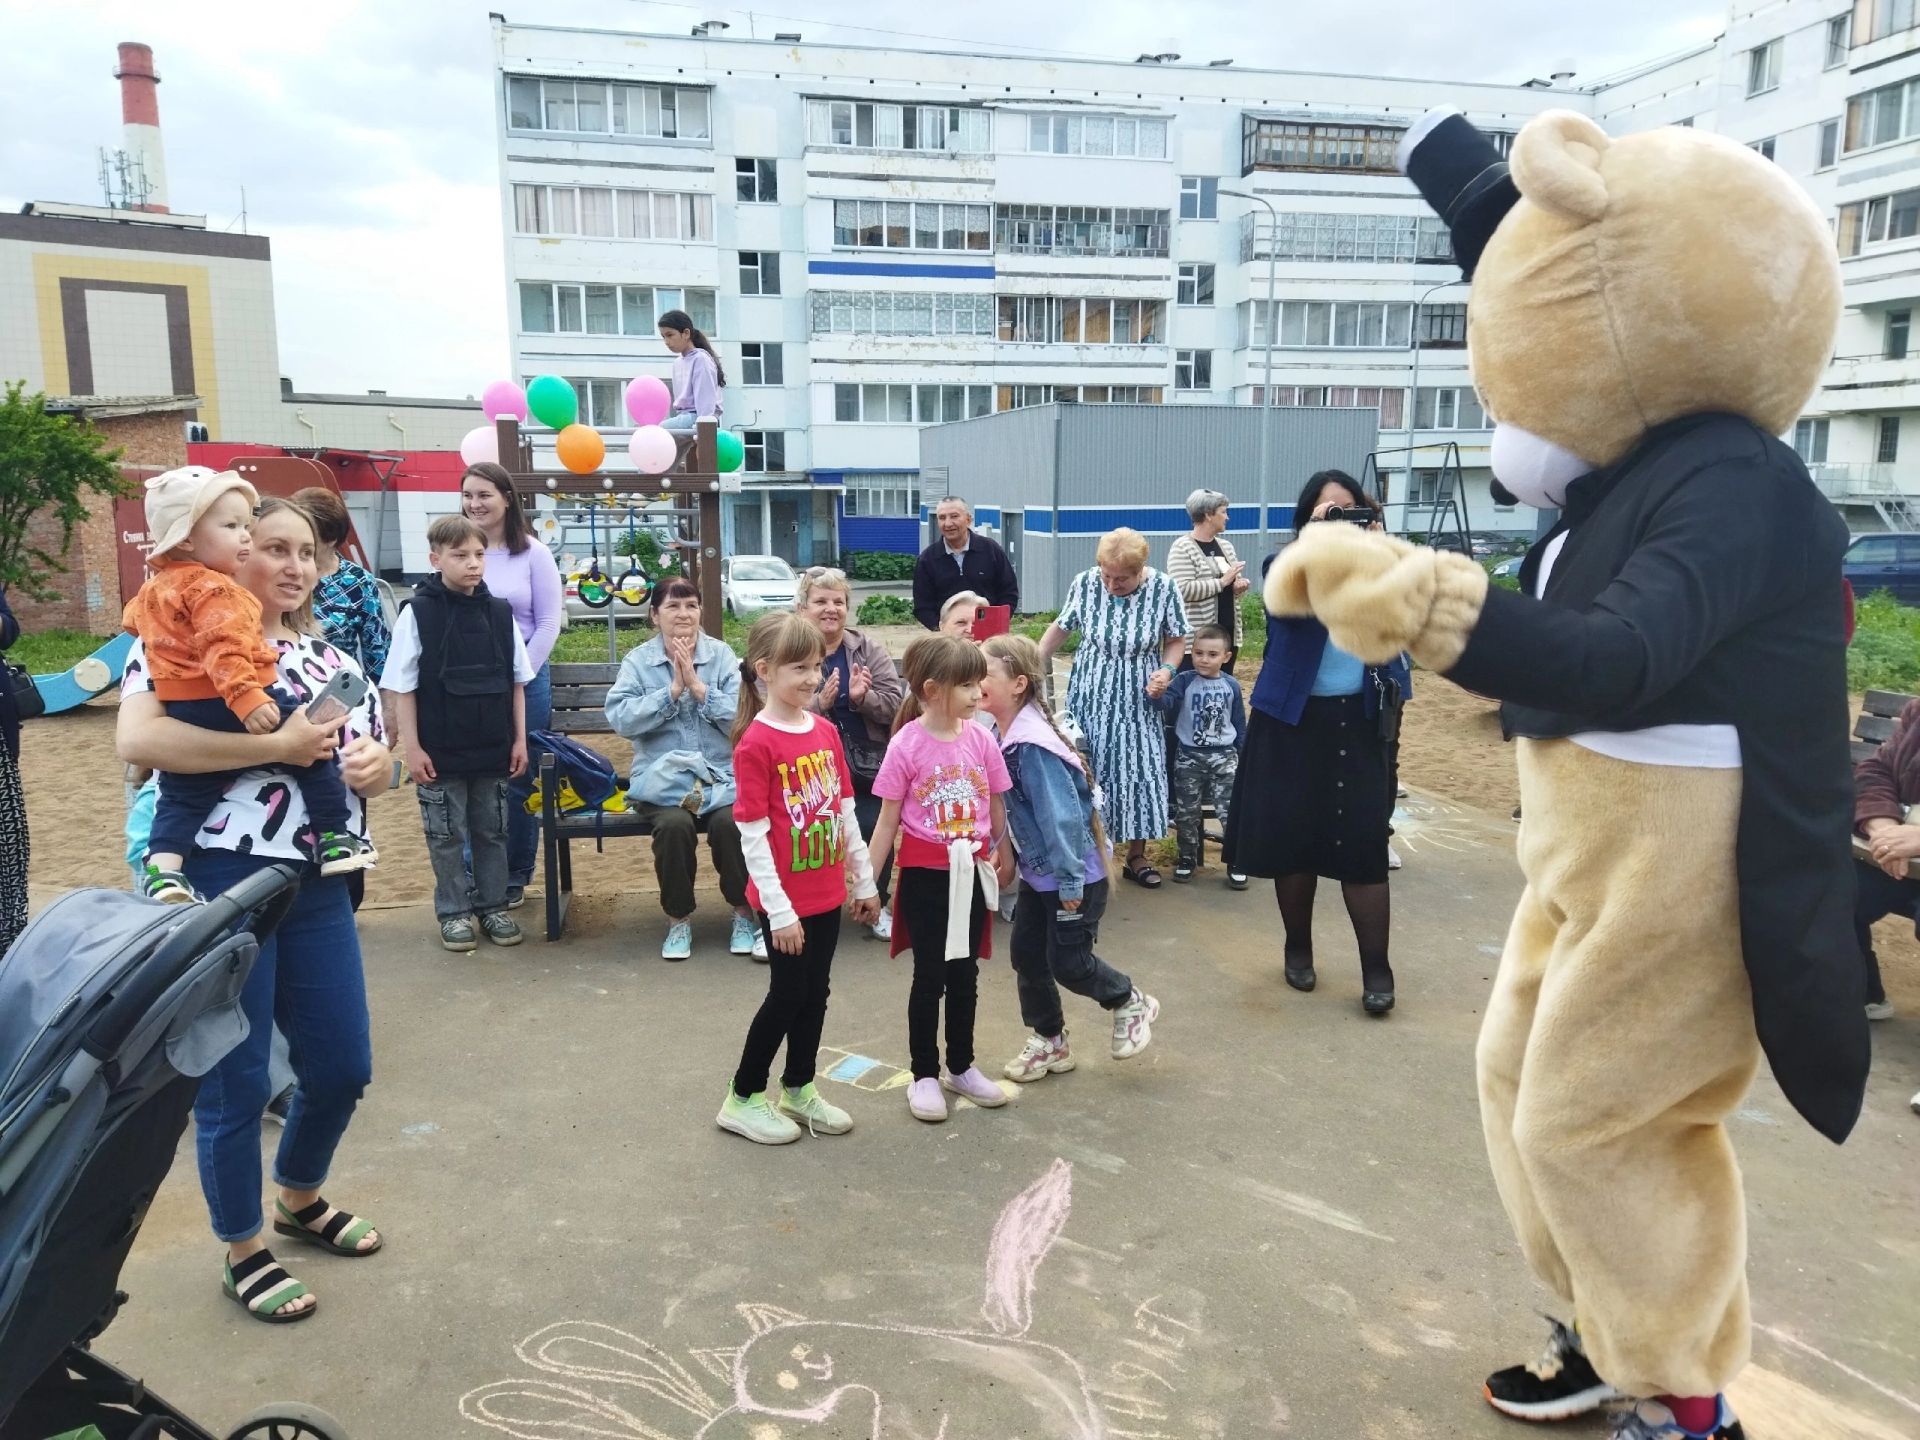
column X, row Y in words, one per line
column 524, row 575
column 698, row 380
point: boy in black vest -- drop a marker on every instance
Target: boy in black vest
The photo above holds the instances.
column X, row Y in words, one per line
column 458, row 669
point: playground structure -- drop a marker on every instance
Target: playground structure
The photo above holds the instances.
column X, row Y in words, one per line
column 1439, row 520
column 281, row 475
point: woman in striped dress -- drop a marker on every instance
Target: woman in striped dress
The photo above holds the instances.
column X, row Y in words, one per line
column 1133, row 631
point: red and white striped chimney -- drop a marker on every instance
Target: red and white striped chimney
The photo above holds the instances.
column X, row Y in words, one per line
column 140, row 117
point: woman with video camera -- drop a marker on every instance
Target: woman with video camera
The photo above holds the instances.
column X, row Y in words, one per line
column 1313, row 795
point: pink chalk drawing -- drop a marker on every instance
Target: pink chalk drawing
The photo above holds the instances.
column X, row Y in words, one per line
column 793, row 1375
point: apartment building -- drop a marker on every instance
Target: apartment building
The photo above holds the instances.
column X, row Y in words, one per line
column 884, row 239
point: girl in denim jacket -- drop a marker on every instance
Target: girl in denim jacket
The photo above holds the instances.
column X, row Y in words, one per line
column 1063, row 878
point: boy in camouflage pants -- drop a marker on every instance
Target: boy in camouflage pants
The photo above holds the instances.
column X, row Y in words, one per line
column 1209, row 726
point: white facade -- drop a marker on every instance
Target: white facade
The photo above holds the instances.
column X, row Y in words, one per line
column 949, row 232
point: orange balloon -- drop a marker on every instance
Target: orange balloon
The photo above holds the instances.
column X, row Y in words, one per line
column 580, row 449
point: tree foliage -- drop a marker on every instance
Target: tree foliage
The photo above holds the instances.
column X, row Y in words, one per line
column 48, row 464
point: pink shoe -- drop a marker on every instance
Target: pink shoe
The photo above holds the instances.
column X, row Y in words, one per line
column 975, row 1087
column 926, row 1102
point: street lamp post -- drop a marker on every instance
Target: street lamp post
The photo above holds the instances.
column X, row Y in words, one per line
column 1273, row 331
column 1413, row 400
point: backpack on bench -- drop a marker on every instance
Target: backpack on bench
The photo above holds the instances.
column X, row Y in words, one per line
column 585, row 779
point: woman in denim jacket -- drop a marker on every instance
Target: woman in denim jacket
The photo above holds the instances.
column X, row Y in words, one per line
column 678, row 691
column 1063, row 876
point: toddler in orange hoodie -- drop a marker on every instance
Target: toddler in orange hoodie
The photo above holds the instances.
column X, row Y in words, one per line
column 212, row 667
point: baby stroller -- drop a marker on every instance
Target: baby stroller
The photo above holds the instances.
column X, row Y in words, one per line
column 111, row 1009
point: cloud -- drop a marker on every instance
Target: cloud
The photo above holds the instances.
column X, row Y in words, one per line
column 364, row 134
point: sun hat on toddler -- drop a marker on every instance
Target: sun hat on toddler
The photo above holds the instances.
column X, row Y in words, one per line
column 177, row 500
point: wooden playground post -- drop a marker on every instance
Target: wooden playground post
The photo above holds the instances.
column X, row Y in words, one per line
column 702, row 480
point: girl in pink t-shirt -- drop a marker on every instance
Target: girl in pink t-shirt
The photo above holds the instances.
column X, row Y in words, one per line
column 941, row 786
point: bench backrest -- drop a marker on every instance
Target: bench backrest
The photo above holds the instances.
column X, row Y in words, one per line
column 1879, row 709
column 580, row 698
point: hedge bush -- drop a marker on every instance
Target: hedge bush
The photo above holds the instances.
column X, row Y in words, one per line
column 877, row 565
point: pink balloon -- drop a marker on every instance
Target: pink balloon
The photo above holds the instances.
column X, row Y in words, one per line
column 480, row 445
column 652, row 449
column 648, row 399
column 502, row 398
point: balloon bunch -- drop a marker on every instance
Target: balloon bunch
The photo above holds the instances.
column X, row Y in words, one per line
column 552, row 401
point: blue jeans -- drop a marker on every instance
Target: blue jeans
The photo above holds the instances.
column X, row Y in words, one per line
column 523, row 830
column 308, row 979
column 680, row 420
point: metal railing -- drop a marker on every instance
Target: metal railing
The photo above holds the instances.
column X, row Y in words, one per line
column 1863, row 480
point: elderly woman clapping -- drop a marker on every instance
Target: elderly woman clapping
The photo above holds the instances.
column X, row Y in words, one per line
column 1208, row 573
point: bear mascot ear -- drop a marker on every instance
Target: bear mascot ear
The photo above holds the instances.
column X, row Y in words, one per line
column 1556, row 164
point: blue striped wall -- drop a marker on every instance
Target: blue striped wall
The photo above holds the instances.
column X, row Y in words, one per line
column 898, row 534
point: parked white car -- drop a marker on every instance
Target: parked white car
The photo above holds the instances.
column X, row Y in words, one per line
column 751, row 583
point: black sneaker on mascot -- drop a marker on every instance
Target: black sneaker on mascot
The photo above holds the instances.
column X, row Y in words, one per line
column 1561, row 1384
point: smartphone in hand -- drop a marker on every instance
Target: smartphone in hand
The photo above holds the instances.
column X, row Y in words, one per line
column 345, row 690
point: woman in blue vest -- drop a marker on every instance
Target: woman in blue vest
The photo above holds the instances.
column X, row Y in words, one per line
column 1313, row 795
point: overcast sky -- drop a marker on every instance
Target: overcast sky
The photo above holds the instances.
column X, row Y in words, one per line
column 363, row 133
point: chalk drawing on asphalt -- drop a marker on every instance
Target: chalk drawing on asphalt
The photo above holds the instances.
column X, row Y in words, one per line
column 792, row 1375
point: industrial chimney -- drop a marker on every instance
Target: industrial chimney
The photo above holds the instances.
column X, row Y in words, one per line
column 140, row 118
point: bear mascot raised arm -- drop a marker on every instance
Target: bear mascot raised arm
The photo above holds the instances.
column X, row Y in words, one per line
column 1648, row 314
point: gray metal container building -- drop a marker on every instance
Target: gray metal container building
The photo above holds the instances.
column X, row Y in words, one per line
column 1049, row 480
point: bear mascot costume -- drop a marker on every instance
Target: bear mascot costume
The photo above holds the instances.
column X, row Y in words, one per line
column 1648, row 314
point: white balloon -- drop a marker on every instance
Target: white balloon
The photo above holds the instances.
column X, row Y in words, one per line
column 652, row 450
column 480, row 445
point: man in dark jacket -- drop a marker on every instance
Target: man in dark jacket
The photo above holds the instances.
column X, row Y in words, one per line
column 1885, row 785
column 960, row 560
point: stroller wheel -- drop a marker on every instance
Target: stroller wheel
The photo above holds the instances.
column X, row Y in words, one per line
column 288, row 1420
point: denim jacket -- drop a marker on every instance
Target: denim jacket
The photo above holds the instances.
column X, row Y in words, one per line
column 1050, row 811
column 641, row 707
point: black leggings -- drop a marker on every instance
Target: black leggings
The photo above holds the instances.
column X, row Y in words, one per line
column 795, row 1008
column 1367, row 909
column 922, row 904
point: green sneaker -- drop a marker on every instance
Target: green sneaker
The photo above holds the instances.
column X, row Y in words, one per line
column 756, row 1119
column 814, row 1110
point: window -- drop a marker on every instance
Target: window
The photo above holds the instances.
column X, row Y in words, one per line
column 1810, row 440
column 755, row 181
column 1199, row 197
column 1877, row 19
column 936, row 129
column 1053, row 319
column 766, row 451
column 569, row 309
column 1318, row 145
column 1763, row 68
column 760, row 363
column 1829, row 143
column 1882, row 116
column 601, row 213
column 911, row 225
column 1080, row 230
column 1193, row 369
column 1869, row 222
column 1763, row 147
column 759, row 272
column 1888, row 449
column 910, row 404
column 1390, row 403
column 888, row 312
column 1122, row 137
column 1899, row 324
column 594, row 107
column 1317, row 236
column 1344, row 324
column 1448, row 408
column 873, row 496
column 1442, row 327
column 1017, row 397
column 1839, row 31
column 1195, row 285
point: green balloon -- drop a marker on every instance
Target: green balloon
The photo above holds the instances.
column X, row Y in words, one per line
column 732, row 453
column 553, row 402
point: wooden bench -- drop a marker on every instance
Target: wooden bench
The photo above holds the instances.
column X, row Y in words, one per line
column 579, row 708
column 1879, row 711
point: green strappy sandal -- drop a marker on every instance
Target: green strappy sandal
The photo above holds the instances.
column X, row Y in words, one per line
column 341, row 1235
column 260, row 1287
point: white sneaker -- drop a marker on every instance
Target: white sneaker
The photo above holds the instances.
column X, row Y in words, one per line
column 1133, row 1025
column 813, row 1110
column 1914, row 1104
column 759, row 947
column 756, row 1119
column 883, row 927
column 1393, row 858
column 1879, row 1010
column 1041, row 1058
column 745, row 937
column 679, row 942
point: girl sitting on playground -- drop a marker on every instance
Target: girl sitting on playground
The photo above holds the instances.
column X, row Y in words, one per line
column 699, row 382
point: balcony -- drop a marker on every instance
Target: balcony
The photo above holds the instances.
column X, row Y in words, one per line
column 1322, row 237
column 1870, row 384
column 1863, row 482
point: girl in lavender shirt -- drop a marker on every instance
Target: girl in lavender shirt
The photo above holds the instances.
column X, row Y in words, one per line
column 523, row 574
column 698, row 380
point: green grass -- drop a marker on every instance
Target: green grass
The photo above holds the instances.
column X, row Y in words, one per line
column 1885, row 654
column 584, row 642
column 51, row 651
